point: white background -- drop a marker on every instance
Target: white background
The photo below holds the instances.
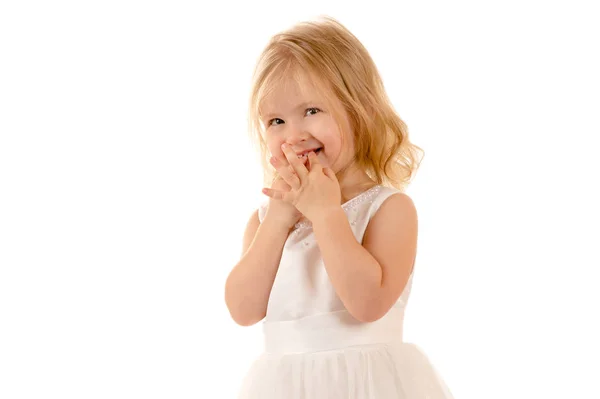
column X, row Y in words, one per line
column 126, row 179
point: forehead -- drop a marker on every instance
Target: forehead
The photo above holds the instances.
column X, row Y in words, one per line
column 289, row 91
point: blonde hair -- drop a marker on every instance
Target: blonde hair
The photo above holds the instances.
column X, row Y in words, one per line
column 329, row 53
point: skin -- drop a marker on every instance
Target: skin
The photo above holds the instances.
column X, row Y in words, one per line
column 368, row 277
column 301, row 118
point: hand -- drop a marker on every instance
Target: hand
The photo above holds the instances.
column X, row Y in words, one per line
column 281, row 211
column 311, row 192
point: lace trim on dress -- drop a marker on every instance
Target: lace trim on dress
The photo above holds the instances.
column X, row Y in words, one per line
column 349, row 205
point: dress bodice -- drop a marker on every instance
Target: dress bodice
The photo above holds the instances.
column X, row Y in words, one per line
column 302, row 287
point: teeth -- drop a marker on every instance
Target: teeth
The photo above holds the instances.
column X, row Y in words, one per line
column 305, row 154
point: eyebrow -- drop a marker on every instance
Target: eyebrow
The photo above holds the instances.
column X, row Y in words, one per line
column 299, row 106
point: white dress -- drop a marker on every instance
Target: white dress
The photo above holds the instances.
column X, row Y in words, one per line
column 314, row 348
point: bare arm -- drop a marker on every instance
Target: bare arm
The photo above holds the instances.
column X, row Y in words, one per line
column 249, row 284
column 370, row 277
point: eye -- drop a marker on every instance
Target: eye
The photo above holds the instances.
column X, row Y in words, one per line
column 312, row 111
column 276, row 121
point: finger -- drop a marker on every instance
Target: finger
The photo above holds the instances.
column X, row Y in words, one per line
column 330, row 173
column 297, row 164
column 314, row 162
column 275, row 194
column 286, row 172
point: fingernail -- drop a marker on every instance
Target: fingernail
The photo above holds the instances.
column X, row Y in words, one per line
column 284, row 145
column 273, row 160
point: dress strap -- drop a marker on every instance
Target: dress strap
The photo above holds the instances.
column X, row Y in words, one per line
column 262, row 210
column 382, row 194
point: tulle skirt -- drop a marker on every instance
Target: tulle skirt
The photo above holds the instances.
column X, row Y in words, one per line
column 329, row 357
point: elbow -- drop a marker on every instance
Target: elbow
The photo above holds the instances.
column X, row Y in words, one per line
column 367, row 311
column 244, row 320
column 240, row 316
column 367, row 316
column 240, row 312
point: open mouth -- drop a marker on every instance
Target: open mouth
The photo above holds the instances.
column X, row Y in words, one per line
column 304, row 156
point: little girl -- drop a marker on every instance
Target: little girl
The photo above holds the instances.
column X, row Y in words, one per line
column 328, row 259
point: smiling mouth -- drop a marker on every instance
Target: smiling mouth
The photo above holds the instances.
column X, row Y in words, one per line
column 304, row 155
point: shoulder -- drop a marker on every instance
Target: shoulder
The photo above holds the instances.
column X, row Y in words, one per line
column 398, row 201
column 388, row 201
column 392, row 208
column 393, row 225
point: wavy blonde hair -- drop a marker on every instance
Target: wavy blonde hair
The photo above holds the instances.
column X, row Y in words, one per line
column 326, row 52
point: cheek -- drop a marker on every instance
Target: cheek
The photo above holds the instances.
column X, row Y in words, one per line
column 274, row 146
column 332, row 145
column 337, row 152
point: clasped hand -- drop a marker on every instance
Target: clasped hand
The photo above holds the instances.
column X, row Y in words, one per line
column 313, row 191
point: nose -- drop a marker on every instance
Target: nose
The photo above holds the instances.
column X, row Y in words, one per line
column 296, row 134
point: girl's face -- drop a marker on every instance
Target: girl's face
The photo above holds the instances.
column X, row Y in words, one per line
column 302, row 119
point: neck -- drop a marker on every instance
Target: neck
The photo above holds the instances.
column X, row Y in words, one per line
column 353, row 183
